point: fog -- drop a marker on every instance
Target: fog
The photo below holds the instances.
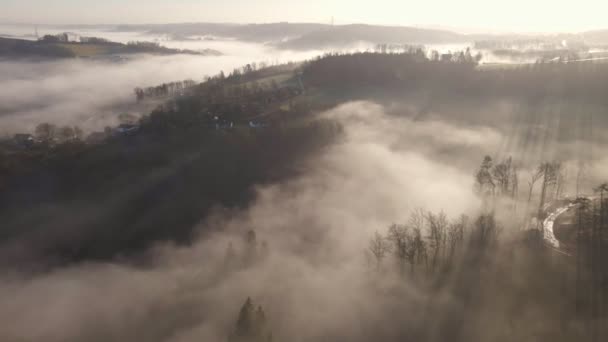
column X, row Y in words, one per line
column 395, row 150
column 315, row 282
column 92, row 93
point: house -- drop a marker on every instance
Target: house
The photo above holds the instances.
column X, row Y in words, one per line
column 257, row 124
column 220, row 123
column 127, row 129
column 69, row 37
column 24, row 140
column 224, row 125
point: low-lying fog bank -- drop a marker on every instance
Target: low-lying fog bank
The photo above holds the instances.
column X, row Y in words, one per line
column 314, row 282
column 91, row 94
column 306, row 264
column 300, row 247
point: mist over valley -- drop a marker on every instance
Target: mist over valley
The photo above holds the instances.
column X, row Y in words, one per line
column 285, row 181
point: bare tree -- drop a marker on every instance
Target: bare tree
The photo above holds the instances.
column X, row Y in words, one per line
column 506, row 181
column 403, row 243
column 455, row 235
column 416, row 222
column 379, row 247
column 502, row 176
column 437, row 224
column 535, row 176
column 515, row 187
column 486, row 232
column 550, row 172
column 420, row 246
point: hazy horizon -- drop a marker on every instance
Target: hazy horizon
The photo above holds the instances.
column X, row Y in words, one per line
column 467, row 16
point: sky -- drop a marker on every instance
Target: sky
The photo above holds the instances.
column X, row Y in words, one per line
column 471, row 15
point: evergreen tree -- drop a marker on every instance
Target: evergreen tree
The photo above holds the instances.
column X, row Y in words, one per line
column 251, row 325
column 245, row 322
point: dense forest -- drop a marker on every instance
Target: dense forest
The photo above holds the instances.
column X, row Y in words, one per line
column 180, row 163
column 271, row 120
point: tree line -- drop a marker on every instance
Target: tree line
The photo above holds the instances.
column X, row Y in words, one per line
column 501, row 180
column 430, row 243
column 163, row 90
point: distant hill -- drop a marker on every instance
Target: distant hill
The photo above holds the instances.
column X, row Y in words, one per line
column 599, row 37
column 273, row 32
column 305, row 36
column 333, row 36
column 300, row 36
column 52, row 47
column 14, row 48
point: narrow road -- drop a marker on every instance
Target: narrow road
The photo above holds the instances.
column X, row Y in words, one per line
column 549, row 234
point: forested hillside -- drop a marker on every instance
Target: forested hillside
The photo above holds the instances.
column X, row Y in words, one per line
column 433, row 187
column 214, row 141
column 201, row 150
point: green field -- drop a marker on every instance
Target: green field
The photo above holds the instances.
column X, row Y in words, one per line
column 87, row 50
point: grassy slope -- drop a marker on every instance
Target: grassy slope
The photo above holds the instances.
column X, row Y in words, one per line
column 87, row 50
column 18, row 48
